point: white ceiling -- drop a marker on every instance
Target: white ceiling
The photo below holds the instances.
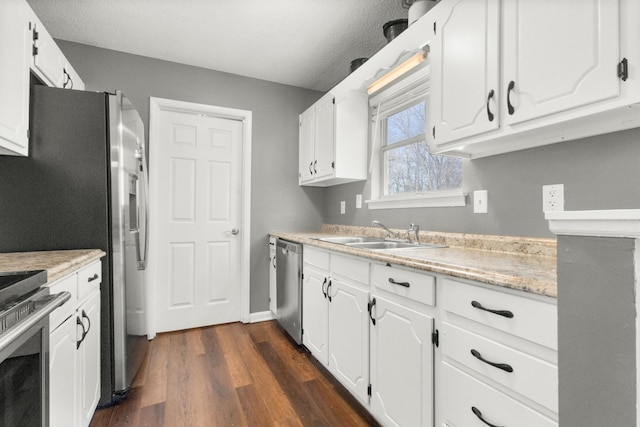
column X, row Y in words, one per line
column 304, row 43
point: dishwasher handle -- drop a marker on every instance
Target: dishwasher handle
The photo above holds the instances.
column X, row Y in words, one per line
column 289, row 247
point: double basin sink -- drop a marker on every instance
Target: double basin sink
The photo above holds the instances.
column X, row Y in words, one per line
column 375, row 244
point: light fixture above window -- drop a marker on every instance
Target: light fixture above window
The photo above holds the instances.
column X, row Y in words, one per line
column 397, row 72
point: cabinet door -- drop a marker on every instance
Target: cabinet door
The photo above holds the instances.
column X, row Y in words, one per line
column 89, row 354
column 272, row 276
column 15, row 58
column 315, row 313
column 324, row 138
column 465, row 70
column 63, row 375
column 48, row 58
column 560, row 56
column 349, row 337
column 401, row 365
column 307, row 155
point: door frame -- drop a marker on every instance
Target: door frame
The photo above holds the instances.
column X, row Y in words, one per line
column 156, row 105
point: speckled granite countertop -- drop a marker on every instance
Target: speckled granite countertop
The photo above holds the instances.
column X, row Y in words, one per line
column 521, row 263
column 57, row 263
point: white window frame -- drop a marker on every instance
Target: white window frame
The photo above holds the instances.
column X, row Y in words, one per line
column 435, row 198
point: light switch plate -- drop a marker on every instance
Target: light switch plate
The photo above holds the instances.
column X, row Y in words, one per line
column 480, row 201
column 358, row 201
column 343, row 207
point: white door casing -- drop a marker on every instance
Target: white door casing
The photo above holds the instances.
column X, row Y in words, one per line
column 199, row 192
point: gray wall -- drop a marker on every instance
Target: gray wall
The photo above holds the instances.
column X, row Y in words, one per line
column 598, row 173
column 276, row 201
column 596, row 332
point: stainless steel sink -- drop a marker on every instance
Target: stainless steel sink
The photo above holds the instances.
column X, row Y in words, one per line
column 381, row 245
column 343, row 240
column 375, row 243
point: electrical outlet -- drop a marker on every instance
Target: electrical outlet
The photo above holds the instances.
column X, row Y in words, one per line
column 553, row 197
column 480, row 201
column 358, row 201
column 343, row 207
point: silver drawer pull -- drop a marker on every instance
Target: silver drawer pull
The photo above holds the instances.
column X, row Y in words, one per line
column 503, row 366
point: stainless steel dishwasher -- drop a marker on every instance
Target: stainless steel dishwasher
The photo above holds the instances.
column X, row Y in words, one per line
column 289, row 287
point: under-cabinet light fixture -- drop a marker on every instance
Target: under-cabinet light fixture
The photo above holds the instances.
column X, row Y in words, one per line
column 397, row 72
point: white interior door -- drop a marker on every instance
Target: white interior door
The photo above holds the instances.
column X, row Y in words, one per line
column 198, row 209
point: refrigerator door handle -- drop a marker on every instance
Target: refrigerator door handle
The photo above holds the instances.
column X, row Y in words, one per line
column 143, row 250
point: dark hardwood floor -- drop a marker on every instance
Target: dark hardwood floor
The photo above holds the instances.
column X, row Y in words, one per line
column 233, row 375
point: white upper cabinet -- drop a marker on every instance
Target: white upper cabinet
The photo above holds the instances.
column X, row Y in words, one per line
column 559, row 56
column 48, row 60
column 307, row 149
column 15, row 57
column 25, row 47
column 518, row 74
column 465, row 70
column 333, row 140
column 324, row 138
column 49, row 63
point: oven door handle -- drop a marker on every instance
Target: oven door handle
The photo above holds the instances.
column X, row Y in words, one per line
column 51, row 302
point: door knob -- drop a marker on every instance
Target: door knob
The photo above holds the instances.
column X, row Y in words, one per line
column 235, row 231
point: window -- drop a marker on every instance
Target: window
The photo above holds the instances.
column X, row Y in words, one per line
column 408, row 165
column 403, row 171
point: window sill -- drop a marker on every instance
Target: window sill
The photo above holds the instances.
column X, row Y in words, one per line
column 444, row 198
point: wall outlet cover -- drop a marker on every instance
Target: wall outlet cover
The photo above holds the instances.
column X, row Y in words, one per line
column 343, row 207
column 553, row 197
column 480, row 201
column 358, row 201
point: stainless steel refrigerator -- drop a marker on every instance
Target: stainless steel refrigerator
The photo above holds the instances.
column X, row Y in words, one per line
column 84, row 185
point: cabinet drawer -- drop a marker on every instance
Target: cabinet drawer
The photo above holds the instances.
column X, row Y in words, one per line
column 529, row 376
column 462, row 392
column 350, row 268
column 414, row 285
column 68, row 284
column 89, row 279
column 532, row 320
column 319, row 259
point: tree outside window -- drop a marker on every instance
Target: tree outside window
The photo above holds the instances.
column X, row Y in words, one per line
column 409, row 166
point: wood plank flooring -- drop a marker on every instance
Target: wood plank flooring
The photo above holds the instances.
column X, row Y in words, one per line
column 233, row 375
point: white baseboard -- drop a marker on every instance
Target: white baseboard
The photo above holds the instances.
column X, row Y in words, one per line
column 261, row 316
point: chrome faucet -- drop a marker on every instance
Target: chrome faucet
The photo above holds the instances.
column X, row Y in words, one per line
column 416, row 229
column 390, row 233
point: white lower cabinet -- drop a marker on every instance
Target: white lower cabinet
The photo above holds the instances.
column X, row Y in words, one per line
column 273, row 302
column 476, row 355
column 469, row 401
column 74, row 350
column 63, row 374
column 401, row 364
column 497, row 357
column 89, row 358
column 335, row 300
column 349, row 324
column 315, row 313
